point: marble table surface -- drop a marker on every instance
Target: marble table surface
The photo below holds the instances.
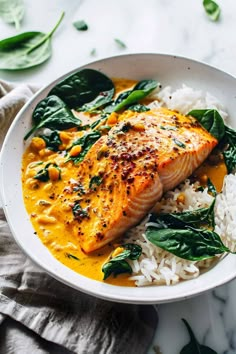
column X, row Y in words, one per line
column 178, row 27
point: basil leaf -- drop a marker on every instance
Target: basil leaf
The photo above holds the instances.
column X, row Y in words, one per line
column 118, row 265
column 138, row 108
column 80, row 25
column 229, row 154
column 52, row 141
column 193, row 347
column 189, row 243
column 211, row 120
column 83, row 87
column 86, row 142
column 212, row 9
column 52, row 113
column 121, row 44
column 95, row 181
column 26, row 49
column 12, row 11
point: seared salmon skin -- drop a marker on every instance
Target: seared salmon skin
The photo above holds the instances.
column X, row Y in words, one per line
column 126, row 171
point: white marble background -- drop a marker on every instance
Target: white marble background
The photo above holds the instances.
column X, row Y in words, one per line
column 177, row 27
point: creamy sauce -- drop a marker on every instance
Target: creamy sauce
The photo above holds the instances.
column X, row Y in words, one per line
column 51, row 223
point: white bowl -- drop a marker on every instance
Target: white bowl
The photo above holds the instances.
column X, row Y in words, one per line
column 169, row 70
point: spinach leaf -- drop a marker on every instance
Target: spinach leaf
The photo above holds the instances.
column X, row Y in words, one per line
column 26, row 49
column 120, row 43
column 188, row 243
column 52, row 113
column 211, row 120
column 95, row 181
column 83, row 87
column 193, row 347
column 102, row 99
column 229, row 154
column 195, row 218
column 118, row 264
column 80, row 25
column 129, row 97
column 212, row 9
column 138, row 108
column 43, row 174
column 12, row 11
column 52, row 141
column 86, row 142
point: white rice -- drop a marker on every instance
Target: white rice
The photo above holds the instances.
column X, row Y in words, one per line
column 156, row 266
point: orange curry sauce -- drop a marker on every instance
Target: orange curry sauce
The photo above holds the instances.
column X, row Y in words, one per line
column 49, row 222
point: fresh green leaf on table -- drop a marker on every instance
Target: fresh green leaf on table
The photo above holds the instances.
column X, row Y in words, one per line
column 120, row 43
column 212, row 9
column 211, row 120
column 12, row 11
column 52, row 113
column 193, row 347
column 80, row 25
column 26, row 50
column 118, row 264
column 83, row 87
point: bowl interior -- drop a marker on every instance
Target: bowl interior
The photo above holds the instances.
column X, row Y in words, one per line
column 169, row 70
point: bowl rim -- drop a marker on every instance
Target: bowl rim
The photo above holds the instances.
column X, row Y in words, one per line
column 90, row 286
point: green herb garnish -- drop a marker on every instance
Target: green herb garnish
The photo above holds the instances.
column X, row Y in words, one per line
column 121, row 44
column 69, row 255
column 95, row 182
column 26, row 50
column 212, row 9
column 179, row 143
column 80, row 25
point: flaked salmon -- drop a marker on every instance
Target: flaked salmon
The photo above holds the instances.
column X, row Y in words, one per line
column 126, row 171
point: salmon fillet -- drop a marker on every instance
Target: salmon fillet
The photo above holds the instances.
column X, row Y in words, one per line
column 126, row 172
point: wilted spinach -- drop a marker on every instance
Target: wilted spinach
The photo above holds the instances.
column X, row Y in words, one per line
column 43, row 174
column 118, row 264
column 86, row 142
column 12, row 11
column 69, row 255
column 212, row 9
column 26, row 49
column 52, row 141
column 52, row 113
column 78, row 212
column 193, row 347
column 83, row 87
column 211, row 120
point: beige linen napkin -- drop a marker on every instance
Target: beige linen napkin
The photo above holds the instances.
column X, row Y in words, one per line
column 38, row 314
